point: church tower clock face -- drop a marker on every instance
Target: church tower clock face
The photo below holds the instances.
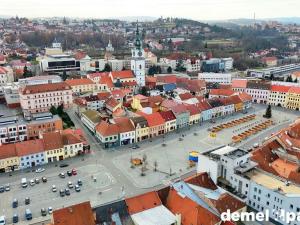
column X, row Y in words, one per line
column 140, row 54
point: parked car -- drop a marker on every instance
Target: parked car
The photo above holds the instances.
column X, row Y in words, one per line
column 74, row 172
column 39, row 170
column 79, row 182
column 67, row 191
column 77, row 188
column 70, row 184
column 62, row 193
column 50, row 210
column 7, row 187
column 62, row 175
column 69, row 173
column 2, row 189
column 63, row 165
column 28, row 214
column 15, row 203
column 27, row 201
column 15, row 218
column 31, row 182
column 37, row 180
column 43, row 212
column 54, row 188
column 2, row 220
column 44, row 179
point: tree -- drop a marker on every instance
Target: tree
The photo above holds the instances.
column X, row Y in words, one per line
column 289, row 79
column 60, row 109
column 268, row 113
column 296, row 80
column 152, row 70
column 144, row 91
column 53, row 110
column 26, row 72
column 158, row 70
column 169, row 70
column 107, row 68
column 64, row 75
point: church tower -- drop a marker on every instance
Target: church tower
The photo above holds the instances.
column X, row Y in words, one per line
column 138, row 60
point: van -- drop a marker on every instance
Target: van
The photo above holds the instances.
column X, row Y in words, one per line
column 24, row 182
column 28, row 214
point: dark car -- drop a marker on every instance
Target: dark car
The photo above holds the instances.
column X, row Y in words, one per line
column 67, row 191
column 62, row 193
column 69, row 173
column 63, row 165
column 15, row 218
column 44, row 179
column 43, row 212
column 15, row 203
column 77, row 188
column 79, row 182
column 2, row 189
column 27, row 201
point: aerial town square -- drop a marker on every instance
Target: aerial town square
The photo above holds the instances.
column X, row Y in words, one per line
column 119, row 113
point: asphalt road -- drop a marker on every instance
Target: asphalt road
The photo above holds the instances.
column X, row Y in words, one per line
column 111, row 181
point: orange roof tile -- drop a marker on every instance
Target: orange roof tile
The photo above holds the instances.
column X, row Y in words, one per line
column 154, row 119
column 80, row 214
column 295, row 90
column 52, row 140
column 106, row 80
column 29, row 147
column 124, row 124
column 185, row 96
column 193, row 109
column 77, row 82
column 245, row 97
column 7, row 151
column 107, row 129
column 239, row 83
column 122, row 74
column 42, row 88
column 280, row 88
column 221, row 92
column 142, row 202
column 284, row 168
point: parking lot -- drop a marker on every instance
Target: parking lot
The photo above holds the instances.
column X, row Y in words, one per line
column 112, row 168
column 42, row 196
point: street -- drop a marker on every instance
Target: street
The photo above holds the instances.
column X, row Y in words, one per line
column 115, row 178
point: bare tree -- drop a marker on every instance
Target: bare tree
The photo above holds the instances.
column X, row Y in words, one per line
column 155, row 165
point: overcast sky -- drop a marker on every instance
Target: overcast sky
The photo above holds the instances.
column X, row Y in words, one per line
column 195, row 9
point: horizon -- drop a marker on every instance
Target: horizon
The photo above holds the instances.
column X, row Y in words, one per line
column 198, row 9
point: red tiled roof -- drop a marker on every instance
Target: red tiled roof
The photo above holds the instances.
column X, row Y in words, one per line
column 80, row 214
column 106, row 80
column 227, row 201
column 203, row 105
column 221, row 92
column 124, row 124
column 178, row 109
column 151, row 79
column 202, row 180
column 3, row 70
column 106, row 129
column 29, row 147
column 239, row 83
column 167, row 103
column 169, row 79
column 112, row 102
column 7, row 151
column 280, row 88
column 42, row 88
column 178, row 55
column 71, row 139
column 118, row 93
column 129, row 84
column 97, row 74
column 235, row 99
column 193, row 109
column 155, row 99
column 103, row 95
column 295, row 90
column 265, row 59
column 122, row 74
column 154, row 119
column 77, row 82
column 245, row 97
column 167, row 115
column 142, row 202
column 52, row 140
column 185, row 96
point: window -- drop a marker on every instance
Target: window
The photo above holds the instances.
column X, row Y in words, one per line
column 291, row 206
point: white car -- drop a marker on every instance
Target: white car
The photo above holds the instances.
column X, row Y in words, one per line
column 2, row 220
column 70, row 184
column 39, row 170
column 31, row 182
column 50, row 210
column 54, row 188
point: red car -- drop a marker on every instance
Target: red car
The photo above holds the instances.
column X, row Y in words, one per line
column 74, row 172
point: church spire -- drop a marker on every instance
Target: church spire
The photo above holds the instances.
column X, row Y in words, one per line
column 138, row 42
